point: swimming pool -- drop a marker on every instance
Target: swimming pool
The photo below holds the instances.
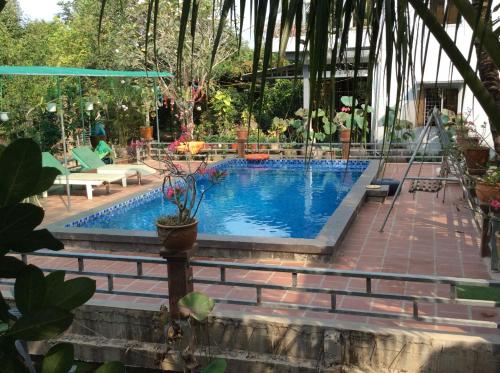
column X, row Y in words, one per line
column 263, row 209
column 267, row 199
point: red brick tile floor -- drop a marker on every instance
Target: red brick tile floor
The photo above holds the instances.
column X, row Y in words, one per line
column 423, row 236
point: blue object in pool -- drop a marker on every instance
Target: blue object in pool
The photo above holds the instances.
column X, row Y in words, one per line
column 259, row 200
column 393, row 184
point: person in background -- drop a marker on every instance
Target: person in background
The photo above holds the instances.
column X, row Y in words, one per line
column 98, row 127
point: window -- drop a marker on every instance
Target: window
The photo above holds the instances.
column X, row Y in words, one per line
column 442, row 98
column 438, row 8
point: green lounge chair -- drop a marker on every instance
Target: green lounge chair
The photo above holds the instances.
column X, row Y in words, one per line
column 89, row 180
column 90, row 161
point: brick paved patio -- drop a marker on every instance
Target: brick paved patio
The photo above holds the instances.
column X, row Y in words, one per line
column 422, row 236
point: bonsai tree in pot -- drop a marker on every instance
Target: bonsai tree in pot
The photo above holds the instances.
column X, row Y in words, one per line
column 179, row 231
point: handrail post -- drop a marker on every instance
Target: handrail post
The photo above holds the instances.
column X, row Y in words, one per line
column 180, row 277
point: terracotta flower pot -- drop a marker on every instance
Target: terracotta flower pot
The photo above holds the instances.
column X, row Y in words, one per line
column 476, row 160
column 486, row 192
column 234, row 146
column 345, row 135
column 242, row 134
column 177, row 237
column 146, row 132
column 464, row 142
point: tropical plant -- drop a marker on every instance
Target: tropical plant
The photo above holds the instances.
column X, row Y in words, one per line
column 180, row 187
column 224, row 112
column 398, row 130
column 399, row 27
column 317, row 128
column 196, row 307
column 44, row 305
column 491, row 177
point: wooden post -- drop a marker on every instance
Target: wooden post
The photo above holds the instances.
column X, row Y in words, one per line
column 241, row 148
column 345, row 150
column 180, row 277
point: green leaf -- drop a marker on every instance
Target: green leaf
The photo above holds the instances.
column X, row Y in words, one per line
column 45, row 180
column 41, row 324
column 111, row 367
column 70, row 294
column 19, row 219
column 348, row 101
column 215, row 366
column 360, row 121
column 196, row 305
column 329, row 128
column 10, row 266
column 20, row 167
column 82, row 367
column 29, row 289
column 35, row 240
column 4, row 309
column 58, row 359
column 368, row 108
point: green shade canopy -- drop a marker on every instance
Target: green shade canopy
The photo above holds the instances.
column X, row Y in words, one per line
column 74, row 71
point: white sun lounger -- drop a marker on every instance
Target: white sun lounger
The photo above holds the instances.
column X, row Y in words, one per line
column 89, row 180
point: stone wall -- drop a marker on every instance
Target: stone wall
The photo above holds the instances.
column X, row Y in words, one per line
column 136, row 335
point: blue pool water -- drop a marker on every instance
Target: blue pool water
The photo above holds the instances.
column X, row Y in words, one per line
column 285, row 201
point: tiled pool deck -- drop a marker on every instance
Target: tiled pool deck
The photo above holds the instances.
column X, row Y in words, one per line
column 422, row 236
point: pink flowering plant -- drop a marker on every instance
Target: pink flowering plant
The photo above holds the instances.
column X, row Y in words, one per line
column 180, row 188
column 495, row 205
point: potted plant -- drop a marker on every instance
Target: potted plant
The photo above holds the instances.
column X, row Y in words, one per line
column 241, row 133
column 488, row 186
column 178, row 231
column 273, row 142
column 289, row 150
column 476, row 157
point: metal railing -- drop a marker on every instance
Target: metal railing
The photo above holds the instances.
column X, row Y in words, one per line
column 400, row 152
column 224, row 268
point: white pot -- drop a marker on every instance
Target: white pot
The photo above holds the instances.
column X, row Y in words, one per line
column 89, row 106
column 4, row 116
column 51, row 107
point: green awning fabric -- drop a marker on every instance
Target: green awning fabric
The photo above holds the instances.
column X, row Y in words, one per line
column 74, row 71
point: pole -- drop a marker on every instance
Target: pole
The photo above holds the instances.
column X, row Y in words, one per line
column 81, row 105
column 400, row 186
column 157, row 120
column 63, row 132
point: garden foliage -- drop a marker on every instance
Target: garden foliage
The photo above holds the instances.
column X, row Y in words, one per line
column 43, row 304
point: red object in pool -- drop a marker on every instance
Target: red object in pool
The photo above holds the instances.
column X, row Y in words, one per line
column 256, row 157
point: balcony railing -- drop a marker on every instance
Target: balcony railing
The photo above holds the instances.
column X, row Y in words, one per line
column 224, row 271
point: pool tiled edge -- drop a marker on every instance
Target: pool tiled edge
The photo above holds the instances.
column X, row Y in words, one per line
column 321, row 247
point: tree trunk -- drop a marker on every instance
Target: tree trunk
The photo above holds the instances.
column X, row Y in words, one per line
column 488, row 71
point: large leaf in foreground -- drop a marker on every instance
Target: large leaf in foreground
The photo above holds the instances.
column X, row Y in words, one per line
column 10, row 266
column 19, row 219
column 196, row 305
column 29, row 289
column 71, row 294
column 33, row 241
column 41, row 324
column 58, row 359
column 111, row 367
column 20, row 167
column 215, row 366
